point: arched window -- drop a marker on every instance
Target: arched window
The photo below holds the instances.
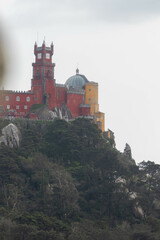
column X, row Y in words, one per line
column 47, row 56
column 8, row 106
column 18, row 98
column 37, row 72
column 58, row 95
column 28, row 99
column 7, row 98
column 39, row 55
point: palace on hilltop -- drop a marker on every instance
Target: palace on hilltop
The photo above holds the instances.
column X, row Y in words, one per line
column 78, row 94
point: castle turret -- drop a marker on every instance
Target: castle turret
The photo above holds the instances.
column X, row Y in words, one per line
column 43, row 74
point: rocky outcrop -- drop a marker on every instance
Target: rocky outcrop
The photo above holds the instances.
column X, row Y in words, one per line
column 120, row 180
column 139, row 211
column 127, row 151
column 44, row 113
column 11, row 136
column 132, row 195
column 63, row 112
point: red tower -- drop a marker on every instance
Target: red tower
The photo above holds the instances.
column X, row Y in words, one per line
column 43, row 83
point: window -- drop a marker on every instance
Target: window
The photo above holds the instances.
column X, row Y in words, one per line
column 48, row 72
column 18, row 98
column 25, row 106
column 37, row 73
column 89, row 99
column 28, row 99
column 7, row 98
column 89, row 89
column 47, row 56
column 17, row 106
column 8, row 106
column 39, row 55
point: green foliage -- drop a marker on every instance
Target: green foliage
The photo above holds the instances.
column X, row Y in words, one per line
column 65, row 181
column 3, row 123
column 36, row 107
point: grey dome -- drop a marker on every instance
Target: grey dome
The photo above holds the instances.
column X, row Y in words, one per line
column 76, row 81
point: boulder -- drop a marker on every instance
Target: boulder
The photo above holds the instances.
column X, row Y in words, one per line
column 11, row 136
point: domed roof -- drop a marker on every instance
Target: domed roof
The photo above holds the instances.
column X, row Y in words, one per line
column 76, row 81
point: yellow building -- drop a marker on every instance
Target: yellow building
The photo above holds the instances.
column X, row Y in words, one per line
column 100, row 119
column 91, row 98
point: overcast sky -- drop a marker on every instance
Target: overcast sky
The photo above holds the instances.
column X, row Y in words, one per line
column 114, row 42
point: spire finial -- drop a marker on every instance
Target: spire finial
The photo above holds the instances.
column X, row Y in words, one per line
column 44, row 40
column 37, row 37
column 77, row 71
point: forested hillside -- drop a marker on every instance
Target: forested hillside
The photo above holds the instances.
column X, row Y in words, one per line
column 66, row 182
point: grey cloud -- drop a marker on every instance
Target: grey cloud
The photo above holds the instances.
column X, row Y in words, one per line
column 123, row 10
column 84, row 11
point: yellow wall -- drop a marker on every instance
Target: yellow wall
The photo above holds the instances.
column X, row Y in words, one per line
column 91, row 96
column 100, row 117
column 109, row 134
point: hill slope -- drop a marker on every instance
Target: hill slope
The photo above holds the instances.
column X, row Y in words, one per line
column 66, row 182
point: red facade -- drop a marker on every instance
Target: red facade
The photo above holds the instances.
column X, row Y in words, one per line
column 19, row 102
column 44, row 90
column 73, row 102
column 61, row 95
column 84, row 110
